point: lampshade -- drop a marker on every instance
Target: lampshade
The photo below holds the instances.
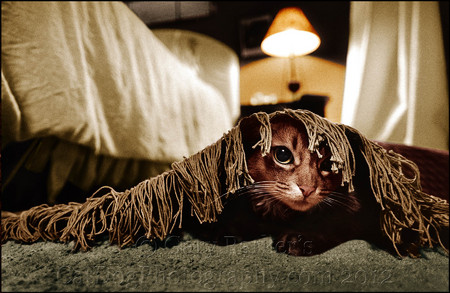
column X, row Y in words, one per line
column 290, row 34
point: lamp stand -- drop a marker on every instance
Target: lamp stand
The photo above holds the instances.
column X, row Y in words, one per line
column 293, row 84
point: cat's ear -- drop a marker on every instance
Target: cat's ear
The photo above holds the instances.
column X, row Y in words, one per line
column 250, row 130
column 250, row 126
column 354, row 138
column 283, row 118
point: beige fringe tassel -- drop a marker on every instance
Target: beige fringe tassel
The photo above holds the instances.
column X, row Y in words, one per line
column 154, row 207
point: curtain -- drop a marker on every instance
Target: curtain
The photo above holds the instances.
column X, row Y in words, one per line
column 396, row 86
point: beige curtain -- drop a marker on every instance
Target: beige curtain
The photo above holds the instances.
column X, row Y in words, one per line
column 396, row 87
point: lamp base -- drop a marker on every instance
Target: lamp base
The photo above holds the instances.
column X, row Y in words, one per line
column 294, row 86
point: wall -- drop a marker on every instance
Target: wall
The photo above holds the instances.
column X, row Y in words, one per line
column 329, row 18
column 317, row 76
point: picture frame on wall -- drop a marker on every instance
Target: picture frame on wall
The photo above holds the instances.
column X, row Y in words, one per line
column 251, row 33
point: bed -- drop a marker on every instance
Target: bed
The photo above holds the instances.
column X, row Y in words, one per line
column 91, row 97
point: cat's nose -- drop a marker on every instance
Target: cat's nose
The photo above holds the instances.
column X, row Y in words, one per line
column 307, row 190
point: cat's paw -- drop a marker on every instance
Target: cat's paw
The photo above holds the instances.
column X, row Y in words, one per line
column 293, row 244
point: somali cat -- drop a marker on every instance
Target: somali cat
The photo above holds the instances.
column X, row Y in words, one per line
column 296, row 198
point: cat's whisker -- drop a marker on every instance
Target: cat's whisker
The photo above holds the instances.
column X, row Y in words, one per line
column 325, row 202
column 256, row 193
column 255, row 186
column 338, row 200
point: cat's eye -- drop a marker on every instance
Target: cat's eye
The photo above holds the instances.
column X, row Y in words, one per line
column 283, row 155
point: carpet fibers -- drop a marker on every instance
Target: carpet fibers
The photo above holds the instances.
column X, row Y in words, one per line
column 194, row 265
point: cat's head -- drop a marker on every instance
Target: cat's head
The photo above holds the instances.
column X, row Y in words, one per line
column 290, row 176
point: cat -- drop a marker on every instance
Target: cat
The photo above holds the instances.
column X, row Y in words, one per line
column 296, row 198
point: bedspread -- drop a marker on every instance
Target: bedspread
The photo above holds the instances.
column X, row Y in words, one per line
column 92, row 73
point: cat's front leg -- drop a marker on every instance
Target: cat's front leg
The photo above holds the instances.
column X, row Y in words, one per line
column 293, row 244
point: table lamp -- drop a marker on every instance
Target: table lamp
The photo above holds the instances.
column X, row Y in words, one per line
column 290, row 35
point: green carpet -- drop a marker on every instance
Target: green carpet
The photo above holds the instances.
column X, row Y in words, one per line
column 194, row 265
